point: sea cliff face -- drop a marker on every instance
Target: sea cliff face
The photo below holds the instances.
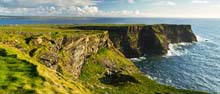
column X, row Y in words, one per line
column 139, row 40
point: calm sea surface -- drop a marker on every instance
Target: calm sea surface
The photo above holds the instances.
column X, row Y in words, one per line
column 188, row 66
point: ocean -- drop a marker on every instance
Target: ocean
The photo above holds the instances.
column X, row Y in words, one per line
column 193, row 66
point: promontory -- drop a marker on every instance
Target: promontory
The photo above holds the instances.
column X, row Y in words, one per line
column 84, row 58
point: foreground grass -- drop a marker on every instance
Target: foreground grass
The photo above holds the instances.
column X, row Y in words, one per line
column 21, row 74
column 18, row 76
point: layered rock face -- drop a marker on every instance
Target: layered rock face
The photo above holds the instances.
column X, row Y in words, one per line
column 177, row 33
column 139, row 40
column 69, row 53
column 125, row 38
column 65, row 52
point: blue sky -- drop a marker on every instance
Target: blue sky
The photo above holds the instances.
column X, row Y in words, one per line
column 113, row 8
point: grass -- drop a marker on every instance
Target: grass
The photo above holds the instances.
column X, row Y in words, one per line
column 18, row 76
column 95, row 70
column 21, row 74
column 39, row 29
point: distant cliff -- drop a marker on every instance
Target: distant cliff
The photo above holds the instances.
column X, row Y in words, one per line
column 139, row 40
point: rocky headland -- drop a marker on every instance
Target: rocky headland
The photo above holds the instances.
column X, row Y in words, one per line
column 138, row 40
column 84, row 59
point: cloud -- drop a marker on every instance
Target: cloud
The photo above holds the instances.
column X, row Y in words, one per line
column 35, row 3
column 200, row 1
column 123, row 13
column 91, row 11
column 49, row 7
column 130, row 1
column 52, row 11
column 164, row 3
column 170, row 3
column 79, row 8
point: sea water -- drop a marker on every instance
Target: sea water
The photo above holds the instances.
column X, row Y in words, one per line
column 193, row 66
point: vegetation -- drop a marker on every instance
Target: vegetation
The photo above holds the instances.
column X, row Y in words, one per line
column 108, row 71
column 20, row 74
column 95, row 78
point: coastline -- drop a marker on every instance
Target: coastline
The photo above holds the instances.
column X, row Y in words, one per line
column 96, row 74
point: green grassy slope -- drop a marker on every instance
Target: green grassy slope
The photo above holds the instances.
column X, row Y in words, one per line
column 20, row 74
column 128, row 81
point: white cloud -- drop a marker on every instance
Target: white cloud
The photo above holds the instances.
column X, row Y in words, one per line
column 200, row 1
column 171, row 3
column 49, row 7
column 122, row 13
column 130, row 1
column 165, row 3
column 51, row 11
column 61, row 8
column 34, row 3
column 70, row 11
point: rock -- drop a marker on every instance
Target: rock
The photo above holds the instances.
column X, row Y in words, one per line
column 139, row 40
column 177, row 33
column 74, row 51
column 3, row 52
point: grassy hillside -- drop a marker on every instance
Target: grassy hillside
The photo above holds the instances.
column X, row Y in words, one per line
column 21, row 74
column 125, row 79
column 18, row 75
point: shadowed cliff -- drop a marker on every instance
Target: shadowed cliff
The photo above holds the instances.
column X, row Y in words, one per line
column 139, row 40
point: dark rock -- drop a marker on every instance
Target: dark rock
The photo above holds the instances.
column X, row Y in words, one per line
column 116, row 78
column 3, row 52
column 178, row 33
column 139, row 40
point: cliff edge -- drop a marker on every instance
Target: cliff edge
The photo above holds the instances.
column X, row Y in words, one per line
column 139, row 40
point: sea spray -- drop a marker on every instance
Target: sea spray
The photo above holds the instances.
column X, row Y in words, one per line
column 138, row 59
column 178, row 49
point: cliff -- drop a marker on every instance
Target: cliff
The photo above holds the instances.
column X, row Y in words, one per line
column 62, row 50
column 138, row 40
column 58, row 59
column 176, row 33
column 67, row 54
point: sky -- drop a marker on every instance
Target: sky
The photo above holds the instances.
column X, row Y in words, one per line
column 112, row 8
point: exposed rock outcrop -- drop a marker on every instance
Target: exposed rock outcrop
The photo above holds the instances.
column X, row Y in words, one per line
column 64, row 52
column 68, row 54
column 139, row 40
column 176, row 33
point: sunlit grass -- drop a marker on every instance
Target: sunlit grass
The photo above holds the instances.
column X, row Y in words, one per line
column 95, row 69
column 20, row 74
